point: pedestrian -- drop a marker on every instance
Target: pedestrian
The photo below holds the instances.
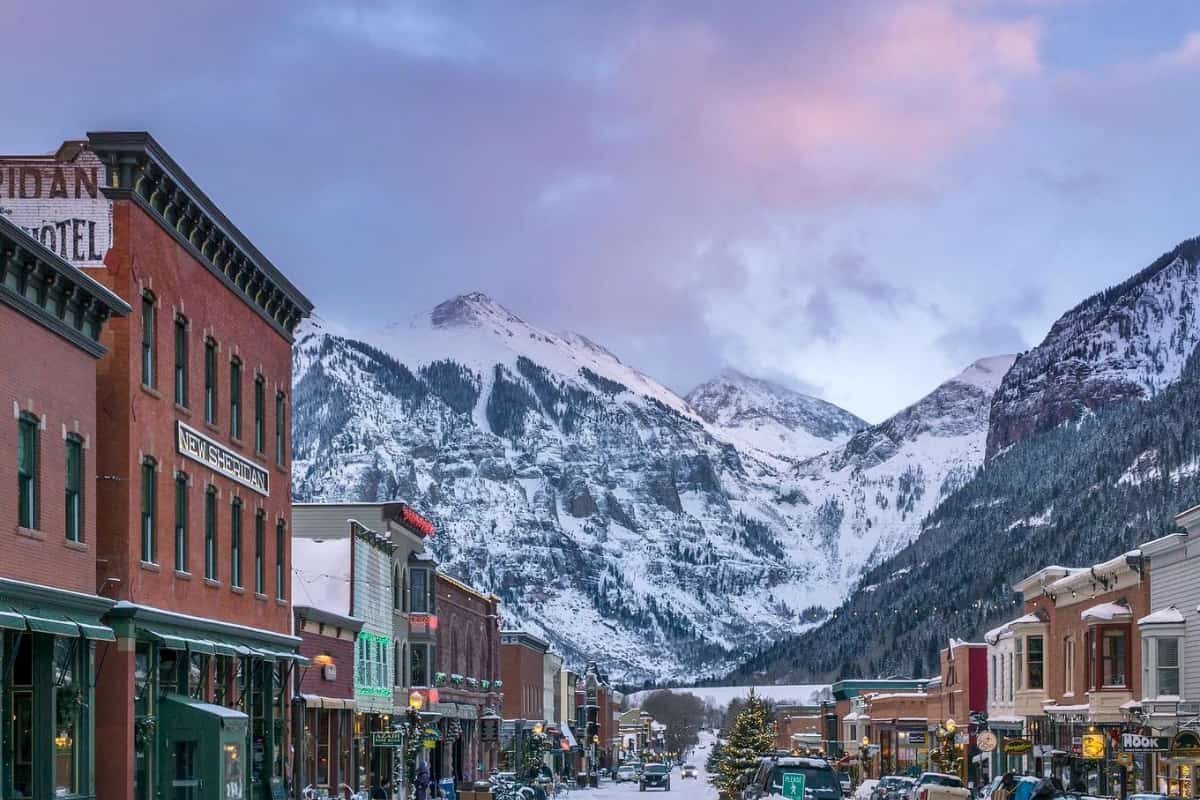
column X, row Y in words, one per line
column 380, row 790
column 422, row 781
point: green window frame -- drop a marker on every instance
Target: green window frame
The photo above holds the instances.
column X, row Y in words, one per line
column 149, row 509
column 74, row 488
column 260, row 533
column 181, row 522
column 235, row 543
column 235, row 398
column 181, row 361
column 260, row 424
column 27, row 471
column 210, row 381
column 279, row 427
column 148, row 356
column 210, row 533
column 280, row 556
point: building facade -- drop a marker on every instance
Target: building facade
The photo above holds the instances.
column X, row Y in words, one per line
column 326, row 685
column 192, row 509
column 468, row 679
column 51, row 321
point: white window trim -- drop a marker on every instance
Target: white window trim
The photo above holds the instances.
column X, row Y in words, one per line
column 1150, row 636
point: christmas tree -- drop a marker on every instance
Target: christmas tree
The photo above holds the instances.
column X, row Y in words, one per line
column 752, row 737
column 946, row 756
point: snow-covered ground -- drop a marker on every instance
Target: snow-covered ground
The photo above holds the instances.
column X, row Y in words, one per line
column 681, row 789
column 720, row 696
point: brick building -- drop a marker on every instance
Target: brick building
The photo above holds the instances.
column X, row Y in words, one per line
column 51, row 319
column 192, row 506
column 522, row 661
column 468, row 647
column 799, row 729
column 897, row 731
column 327, row 640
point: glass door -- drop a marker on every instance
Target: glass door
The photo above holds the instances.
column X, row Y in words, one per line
column 186, row 784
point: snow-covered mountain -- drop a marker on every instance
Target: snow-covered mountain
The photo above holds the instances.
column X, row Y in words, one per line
column 1128, row 342
column 772, row 418
column 608, row 513
column 868, row 497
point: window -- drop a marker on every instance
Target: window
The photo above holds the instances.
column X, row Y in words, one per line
column 1068, row 665
column 148, row 365
column 1018, row 652
column 418, row 588
column 181, row 526
column 396, row 587
column 1167, row 670
column 420, row 658
column 27, row 471
column 1112, row 658
column 235, row 399
column 235, row 544
column 279, row 428
column 210, row 533
column 149, row 505
column 260, row 423
column 210, row 381
column 260, row 525
column 74, row 484
column 1034, row 655
column 1010, row 676
column 279, row 560
column 181, row 357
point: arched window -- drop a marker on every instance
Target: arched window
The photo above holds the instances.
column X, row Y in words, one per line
column 148, row 361
column 397, row 589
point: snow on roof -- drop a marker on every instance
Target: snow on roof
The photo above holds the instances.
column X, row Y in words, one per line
column 1051, row 708
column 1028, row 619
column 999, row 632
column 720, row 696
column 1106, row 612
column 1164, row 616
column 321, row 573
column 1130, row 705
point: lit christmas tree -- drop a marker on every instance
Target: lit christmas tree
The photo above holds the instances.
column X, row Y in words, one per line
column 752, row 737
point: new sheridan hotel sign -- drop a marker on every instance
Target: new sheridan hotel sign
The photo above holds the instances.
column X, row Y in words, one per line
column 195, row 445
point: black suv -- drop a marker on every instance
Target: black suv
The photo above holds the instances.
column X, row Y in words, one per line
column 655, row 776
column 820, row 781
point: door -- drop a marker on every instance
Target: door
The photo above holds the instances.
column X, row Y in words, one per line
column 186, row 783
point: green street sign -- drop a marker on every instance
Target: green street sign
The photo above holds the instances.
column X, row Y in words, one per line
column 387, row 739
column 793, row 785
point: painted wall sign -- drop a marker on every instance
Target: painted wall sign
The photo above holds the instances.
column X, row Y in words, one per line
column 58, row 202
column 198, row 447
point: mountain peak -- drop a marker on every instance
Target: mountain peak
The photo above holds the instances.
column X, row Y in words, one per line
column 471, row 310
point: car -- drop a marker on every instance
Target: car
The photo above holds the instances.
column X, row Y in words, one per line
column 892, row 787
column 626, row 773
column 655, row 776
column 844, row 780
column 939, row 786
column 819, row 780
column 865, row 789
column 687, row 771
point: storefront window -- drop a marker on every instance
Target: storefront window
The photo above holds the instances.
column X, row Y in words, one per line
column 222, row 684
column 19, row 730
column 68, row 710
column 143, row 707
column 198, row 675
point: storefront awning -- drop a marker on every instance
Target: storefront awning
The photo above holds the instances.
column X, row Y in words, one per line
column 565, row 729
column 318, row 701
column 55, row 623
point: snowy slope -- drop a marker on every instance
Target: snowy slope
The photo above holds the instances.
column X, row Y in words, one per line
column 762, row 415
column 867, row 498
column 608, row 513
column 1128, row 342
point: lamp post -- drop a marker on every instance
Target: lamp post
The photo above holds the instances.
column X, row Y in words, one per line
column 864, row 757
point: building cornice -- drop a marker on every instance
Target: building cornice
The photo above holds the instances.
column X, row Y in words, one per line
column 139, row 170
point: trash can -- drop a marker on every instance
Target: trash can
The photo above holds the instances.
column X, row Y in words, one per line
column 447, row 790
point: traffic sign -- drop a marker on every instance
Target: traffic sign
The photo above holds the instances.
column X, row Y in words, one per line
column 793, row 785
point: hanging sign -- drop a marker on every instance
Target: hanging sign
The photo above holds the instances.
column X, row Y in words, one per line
column 1093, row 746
column 1186, row 745
column 387, row 739
column 1017, row 747
column 986, row 742
column 1137, row 743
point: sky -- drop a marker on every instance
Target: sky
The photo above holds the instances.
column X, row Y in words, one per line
column 856, row 199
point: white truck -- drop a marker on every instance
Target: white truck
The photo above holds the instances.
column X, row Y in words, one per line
column 939, row 786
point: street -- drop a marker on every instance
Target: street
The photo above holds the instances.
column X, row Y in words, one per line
column 697, row 788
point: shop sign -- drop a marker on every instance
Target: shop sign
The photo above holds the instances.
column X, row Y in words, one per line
column 1017, row 747
column 198, row 447
column 1137, row 743
column 329, row 672
column 986, row 742
column 1125, row 759
column 916, row 737
column 387, row 739
column 1093, row 746
column 1186, row 745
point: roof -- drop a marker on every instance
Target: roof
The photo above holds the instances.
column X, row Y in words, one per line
column 1106, row 612
column 1164, row 616
column 524, row 639
column 463, row 587
column 326, row 617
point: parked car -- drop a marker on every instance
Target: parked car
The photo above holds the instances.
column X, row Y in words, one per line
column 626, row 773
column 820, row 781
column 687, row 771
column 891, row 787
column 939, row 786
column 866, row 789
column 655, row 776
column 844, row 780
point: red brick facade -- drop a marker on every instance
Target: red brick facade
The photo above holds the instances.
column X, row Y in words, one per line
column 52, row 380
column 522, row 670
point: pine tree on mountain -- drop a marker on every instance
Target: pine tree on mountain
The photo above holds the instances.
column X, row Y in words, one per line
column 752, row 737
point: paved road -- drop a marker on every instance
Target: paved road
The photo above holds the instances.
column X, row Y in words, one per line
column 690, row 789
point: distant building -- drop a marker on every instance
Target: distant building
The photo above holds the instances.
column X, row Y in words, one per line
column 328, row 640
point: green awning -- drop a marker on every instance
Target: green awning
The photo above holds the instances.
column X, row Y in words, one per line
column 167, row 640
column 223, row 648
column 94, row 630
column 201, row 646
column 44, row 620
column 11, row 620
